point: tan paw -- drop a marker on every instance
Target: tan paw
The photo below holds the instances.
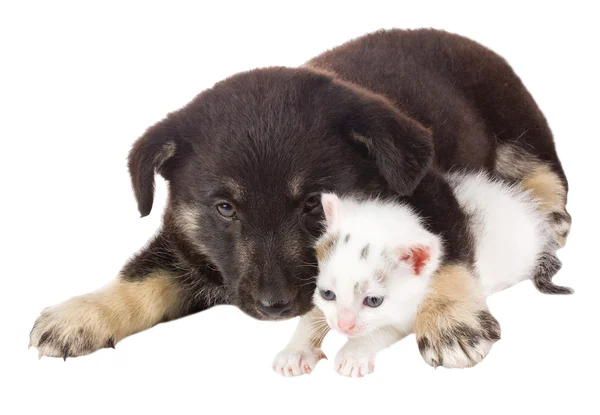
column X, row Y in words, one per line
column 293, row 361
column 458, row 342
column 76, row 327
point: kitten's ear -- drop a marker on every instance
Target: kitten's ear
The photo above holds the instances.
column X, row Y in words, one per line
column 420, row 257
column 332, row 206
column 417, row 256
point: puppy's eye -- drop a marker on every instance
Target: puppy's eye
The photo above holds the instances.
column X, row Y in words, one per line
column 327, row 295
column 373, row 302
column 226, row 210
column 312, row 203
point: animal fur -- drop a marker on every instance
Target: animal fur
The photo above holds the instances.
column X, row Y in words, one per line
column 383, row 267
column 379, row 115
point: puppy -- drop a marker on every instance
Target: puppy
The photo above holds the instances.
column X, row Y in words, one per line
column 247, row 159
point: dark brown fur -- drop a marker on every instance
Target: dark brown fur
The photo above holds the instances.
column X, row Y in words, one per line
column 380, row 115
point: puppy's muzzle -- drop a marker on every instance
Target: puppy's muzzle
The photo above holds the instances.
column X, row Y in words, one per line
column 278, row 308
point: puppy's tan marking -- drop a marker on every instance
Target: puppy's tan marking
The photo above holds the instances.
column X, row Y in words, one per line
column 236, row 190
column 361, row 139
column 167, row 151
column 325, row 246
column 295, row 186
column 187, row 219
column 544, row 184
column 547, row 187
column 514, row 163
column 453, row 324
column 86, row 323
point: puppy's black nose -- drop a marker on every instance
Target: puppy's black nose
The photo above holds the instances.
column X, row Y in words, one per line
column 278, row 308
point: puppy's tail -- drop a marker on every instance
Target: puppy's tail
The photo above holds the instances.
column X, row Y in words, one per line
column 548, row 266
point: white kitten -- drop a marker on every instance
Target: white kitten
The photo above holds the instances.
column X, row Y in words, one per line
column 376, row 260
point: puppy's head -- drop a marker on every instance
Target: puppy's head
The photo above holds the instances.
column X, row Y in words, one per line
column 247, row 160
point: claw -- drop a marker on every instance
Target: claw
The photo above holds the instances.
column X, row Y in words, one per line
column 111, row 343
column 434, row 363
column 40, row 355
column 323, row 356
column 29, row 347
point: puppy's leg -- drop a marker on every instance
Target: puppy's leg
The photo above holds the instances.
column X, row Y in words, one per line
column 544, row 183
column 153, row 287
column 303, row 352
column 100, row 319
column 547, row 187
column 454, row 328
column 357, row 357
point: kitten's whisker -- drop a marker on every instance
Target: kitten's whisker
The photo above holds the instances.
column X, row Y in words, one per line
column 318, row 334
column 319, row 329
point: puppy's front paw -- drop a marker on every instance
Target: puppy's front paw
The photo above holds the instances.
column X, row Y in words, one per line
column 458, row 340
column 76, row 327
column 293, row 361
column 354, row 361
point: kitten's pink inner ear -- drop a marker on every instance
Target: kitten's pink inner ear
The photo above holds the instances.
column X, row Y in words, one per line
column 417, row 257
column 331, row 208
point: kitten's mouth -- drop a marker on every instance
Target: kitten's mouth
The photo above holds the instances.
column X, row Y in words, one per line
column 351, row 333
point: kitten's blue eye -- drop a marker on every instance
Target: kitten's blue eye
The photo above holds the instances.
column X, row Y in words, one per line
column 327, row 295
column 373, row 302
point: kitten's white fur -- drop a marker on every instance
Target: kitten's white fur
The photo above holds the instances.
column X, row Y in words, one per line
column 510, row 235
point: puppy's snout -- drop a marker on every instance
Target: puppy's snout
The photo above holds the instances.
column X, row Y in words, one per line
column 276, row 308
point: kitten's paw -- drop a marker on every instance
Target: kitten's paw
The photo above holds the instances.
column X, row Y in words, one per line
column 73, row 328
column 458, row 342
column 293, row 361
column 354, row 362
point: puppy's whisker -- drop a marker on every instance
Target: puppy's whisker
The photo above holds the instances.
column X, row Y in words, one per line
column 314, row 277
column 305, row 284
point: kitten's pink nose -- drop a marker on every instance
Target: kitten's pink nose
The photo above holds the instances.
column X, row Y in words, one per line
column 346, row 320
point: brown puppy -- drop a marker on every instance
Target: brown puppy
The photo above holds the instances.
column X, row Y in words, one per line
column 247, row 160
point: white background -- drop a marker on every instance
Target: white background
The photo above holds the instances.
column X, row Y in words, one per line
column 78, row 84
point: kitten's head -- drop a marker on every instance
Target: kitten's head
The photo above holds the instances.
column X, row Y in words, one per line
column 375, row 262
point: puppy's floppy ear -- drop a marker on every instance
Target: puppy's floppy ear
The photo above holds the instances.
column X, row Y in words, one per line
column 156, row 151
column 401, row 147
